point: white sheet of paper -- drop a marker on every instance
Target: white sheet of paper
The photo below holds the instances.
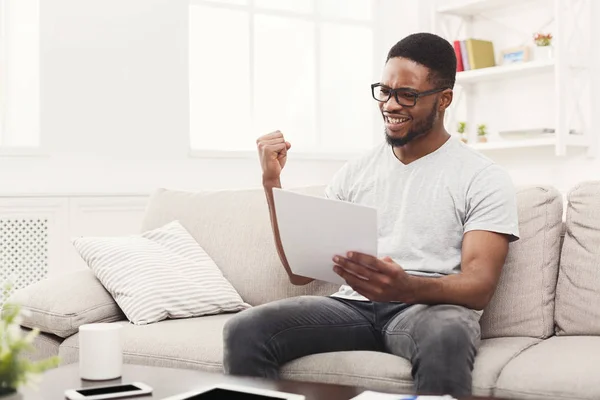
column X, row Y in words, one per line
column 314, row 229
column 370, row 395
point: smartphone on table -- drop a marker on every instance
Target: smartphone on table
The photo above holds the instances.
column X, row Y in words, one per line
column 109, row 392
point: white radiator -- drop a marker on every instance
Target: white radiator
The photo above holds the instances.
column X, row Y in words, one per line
column 23, row 251
column 36, row 231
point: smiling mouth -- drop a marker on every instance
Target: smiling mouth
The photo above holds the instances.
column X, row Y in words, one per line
column 395, row 123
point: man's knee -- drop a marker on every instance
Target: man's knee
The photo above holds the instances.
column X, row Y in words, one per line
column 241, row 340
column 233, row 330
column 255, row 326
column 243, row 328
column 453, row 334
column 248, row 348
column 449, row 337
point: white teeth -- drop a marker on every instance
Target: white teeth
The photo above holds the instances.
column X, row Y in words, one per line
column 396, row 120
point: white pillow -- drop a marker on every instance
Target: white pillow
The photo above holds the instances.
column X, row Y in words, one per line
column 159, row 274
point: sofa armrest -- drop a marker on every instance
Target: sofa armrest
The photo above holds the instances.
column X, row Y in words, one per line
column 61, row 304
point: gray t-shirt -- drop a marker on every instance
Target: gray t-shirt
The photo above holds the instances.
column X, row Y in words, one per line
column 424, row 208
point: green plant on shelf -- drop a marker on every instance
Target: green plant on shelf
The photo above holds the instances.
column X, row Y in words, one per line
column 461, row 129
column 15, row 369
column 482, row 133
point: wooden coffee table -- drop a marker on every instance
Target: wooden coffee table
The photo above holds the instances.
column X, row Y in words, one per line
column 168, row 382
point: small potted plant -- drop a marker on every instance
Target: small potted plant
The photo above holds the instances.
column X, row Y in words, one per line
column 482, row 133
column 543, row 46
column 461, row 129
column 15, row 369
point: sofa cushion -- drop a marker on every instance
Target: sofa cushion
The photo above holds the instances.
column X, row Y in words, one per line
column 492, row 357
column 193, row 343
column 578, row 289
column 380, row 371
column 523, row 304
column 44, row 346
column 557, row 368
column 61, row 303
column 376, row 371
column 235, row 230
column 197, row 343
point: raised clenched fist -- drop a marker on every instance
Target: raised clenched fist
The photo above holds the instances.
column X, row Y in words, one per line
column 272, row 151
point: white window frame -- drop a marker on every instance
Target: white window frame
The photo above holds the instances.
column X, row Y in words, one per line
column 251, row 9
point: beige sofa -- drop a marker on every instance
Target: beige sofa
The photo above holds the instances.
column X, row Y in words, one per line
column 541, row 332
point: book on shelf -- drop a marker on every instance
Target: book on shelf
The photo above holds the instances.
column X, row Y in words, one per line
column 460, row 66
column 474, row 54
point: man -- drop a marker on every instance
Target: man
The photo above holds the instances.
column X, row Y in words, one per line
column 446, row 215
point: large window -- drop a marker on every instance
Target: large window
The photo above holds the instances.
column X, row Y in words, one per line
column 301, row 66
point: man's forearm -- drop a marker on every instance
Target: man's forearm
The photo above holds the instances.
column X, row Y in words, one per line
column 294, row 279
column 460, row 289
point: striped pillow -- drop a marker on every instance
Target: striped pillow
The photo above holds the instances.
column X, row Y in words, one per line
column 159, row 274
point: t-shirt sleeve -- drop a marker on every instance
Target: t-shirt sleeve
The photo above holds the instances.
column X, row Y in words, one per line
column 492, row 203
column 337, row 188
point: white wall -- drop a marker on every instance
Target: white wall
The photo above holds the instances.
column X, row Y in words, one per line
column 541, row 166
column 114, row 106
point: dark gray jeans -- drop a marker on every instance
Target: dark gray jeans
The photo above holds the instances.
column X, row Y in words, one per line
column 440, row 341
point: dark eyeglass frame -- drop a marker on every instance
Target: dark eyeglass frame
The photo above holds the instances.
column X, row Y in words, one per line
column 417, row 95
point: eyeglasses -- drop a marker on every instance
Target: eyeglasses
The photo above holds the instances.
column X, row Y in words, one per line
column 404, row 97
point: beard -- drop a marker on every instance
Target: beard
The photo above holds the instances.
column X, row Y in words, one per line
column 421, row 128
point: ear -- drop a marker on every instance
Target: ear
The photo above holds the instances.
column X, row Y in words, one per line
column 446, row 99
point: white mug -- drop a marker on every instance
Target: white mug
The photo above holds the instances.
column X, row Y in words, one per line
column 100, row 351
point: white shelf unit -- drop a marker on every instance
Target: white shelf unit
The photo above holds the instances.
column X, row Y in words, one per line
column 504, row 72
column 514, row 144
column 572, row 140
column 467, row 8
column 559, row 68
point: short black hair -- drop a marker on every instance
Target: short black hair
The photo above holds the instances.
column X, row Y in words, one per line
column 431, row 51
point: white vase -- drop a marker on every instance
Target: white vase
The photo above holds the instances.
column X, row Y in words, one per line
column 541, row 53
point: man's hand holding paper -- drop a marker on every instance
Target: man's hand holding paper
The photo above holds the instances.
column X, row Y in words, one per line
column 378, row 279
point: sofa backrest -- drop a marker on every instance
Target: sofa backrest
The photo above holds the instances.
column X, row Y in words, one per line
column 523, row 304
column 234, row 229
column 578, row 288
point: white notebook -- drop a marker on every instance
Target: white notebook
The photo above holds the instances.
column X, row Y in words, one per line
column 314, row 229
